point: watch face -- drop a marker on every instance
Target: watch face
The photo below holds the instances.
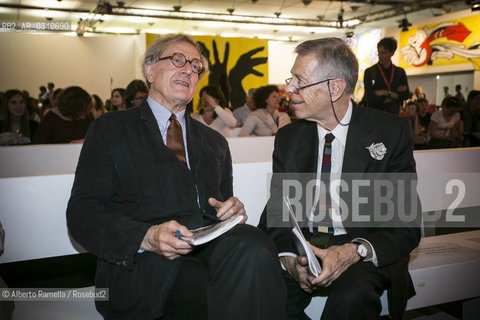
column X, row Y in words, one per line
column 362, row 250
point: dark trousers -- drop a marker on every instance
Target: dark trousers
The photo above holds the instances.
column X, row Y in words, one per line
column 353, row 295
column 236, row 276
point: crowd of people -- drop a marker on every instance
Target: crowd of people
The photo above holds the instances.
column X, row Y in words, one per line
column 63, row 115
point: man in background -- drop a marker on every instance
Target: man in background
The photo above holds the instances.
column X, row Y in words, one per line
column 386, row 85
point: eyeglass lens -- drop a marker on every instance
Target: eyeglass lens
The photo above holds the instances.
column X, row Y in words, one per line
column 179, row 60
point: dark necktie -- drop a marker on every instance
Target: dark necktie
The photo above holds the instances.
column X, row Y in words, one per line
column 324, row 230
column 175, row 139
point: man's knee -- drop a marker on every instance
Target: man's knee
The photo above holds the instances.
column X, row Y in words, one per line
column 250, row 241
column 354, row 303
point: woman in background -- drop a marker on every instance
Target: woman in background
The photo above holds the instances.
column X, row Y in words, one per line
column 266, row 120
column 118, row 99
column 213, row 111
column 136, row 92
column 16, row 127
column 69, row 120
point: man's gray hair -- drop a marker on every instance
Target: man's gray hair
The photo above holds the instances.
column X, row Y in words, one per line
column 156, row 49
column 336, row 59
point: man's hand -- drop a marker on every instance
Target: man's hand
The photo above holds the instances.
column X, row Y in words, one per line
column 402, row 88
column 335, row 260
column 162, row 240
column 228, row 208
column 297, row 268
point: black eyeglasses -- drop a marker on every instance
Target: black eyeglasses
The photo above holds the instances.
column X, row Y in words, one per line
column 297, row 89
column 179, row 60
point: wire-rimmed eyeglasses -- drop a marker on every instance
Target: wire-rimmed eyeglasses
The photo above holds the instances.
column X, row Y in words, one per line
column 179, row 60
column 297, row 89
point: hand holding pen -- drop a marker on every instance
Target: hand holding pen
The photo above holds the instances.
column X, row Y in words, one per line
column 165, row 239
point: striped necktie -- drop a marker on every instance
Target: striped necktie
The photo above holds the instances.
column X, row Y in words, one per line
column 324, row 229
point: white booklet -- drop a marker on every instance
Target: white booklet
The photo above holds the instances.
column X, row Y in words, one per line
column 210, row 232
column 303, row 248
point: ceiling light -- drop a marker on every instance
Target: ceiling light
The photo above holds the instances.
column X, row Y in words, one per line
column 277, row 13
column 404, row 24
column 177, row 8
column 230, row 10
column 306, row 2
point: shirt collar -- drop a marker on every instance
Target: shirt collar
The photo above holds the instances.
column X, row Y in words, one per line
column 340, row 132
column 162, row 114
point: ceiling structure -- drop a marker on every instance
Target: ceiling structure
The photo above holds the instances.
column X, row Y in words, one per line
column 288, row 20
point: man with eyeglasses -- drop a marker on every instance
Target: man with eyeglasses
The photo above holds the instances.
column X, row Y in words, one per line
column 334, row 137
column 145, row 178
column 386, row 85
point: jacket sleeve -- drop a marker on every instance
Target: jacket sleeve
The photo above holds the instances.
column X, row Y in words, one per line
column 93, row 219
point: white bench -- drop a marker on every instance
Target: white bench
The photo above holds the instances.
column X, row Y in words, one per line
column 43, row 175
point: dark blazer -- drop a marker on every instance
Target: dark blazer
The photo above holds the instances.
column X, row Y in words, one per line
column 296, row 150
column 128, row 180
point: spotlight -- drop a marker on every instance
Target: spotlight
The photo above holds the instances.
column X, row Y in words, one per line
column 254, row 1
column 474, row 3
column 230, row 10
column 277, row 14
column 177, row 8
column 306, row 2
column 404, row 24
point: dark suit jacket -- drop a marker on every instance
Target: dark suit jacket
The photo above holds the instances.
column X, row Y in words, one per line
column 128, row 180
column 296, row 150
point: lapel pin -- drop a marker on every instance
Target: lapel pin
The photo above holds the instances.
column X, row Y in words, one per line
column 377, row 150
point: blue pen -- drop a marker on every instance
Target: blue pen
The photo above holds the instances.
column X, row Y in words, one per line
column 178, row 234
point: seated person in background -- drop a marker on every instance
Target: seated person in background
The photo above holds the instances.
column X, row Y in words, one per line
column 411, row 114
column 213, row 111
column 16, row 127
column 69, row 120
column 150, row 173
column 97, row 106
column 418, row 94
column 471, row 119
column 136, row 92
column 446, row 126
column 242, row 112
column 423, row 115
column 266, row 120
column 118, row 99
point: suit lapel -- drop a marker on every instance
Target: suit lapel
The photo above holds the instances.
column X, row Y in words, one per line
column 307, row 149
column 147, row 116
column 357, row 157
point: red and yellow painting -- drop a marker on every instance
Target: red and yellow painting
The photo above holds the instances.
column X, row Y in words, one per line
column 446, row 43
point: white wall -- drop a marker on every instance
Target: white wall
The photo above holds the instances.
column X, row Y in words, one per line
column 281, row 57
column 30, row 60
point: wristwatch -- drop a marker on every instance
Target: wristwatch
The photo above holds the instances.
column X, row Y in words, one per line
column 361, row 250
